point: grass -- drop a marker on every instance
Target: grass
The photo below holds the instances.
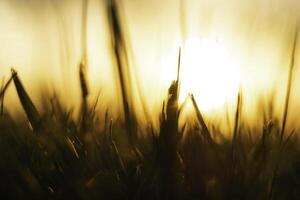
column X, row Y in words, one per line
column 59, row 157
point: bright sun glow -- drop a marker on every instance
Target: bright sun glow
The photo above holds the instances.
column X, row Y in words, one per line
column 209, row 73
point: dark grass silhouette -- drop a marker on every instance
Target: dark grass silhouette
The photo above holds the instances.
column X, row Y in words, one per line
column 57, row 157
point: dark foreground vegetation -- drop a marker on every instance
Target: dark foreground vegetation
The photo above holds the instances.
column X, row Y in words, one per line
column 57, row 157
column 54, row 156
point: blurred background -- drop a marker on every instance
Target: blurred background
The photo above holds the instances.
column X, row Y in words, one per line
column 41, row 40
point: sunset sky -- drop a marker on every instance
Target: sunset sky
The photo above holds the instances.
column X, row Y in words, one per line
column 41, row 40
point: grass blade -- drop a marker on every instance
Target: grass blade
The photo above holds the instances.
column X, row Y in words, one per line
column 84, row 95
column 169, row 138
column 28, row 106
column 123, row 71
column 289, row 85
column 201, row 120
column 285, row 112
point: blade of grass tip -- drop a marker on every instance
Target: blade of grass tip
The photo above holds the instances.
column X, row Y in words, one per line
column 200, row 119
column 174, row 91
column 30, row 110
column 289, row 85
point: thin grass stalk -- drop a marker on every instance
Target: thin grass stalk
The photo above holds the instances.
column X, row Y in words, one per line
column 235, row 134
column 30, row 110
column 83, row 82
column 289, row 85
column 121, row 58
column 83, row 67
column 136, row 82
column 84, row 95
column 237, row 119
column 168, row 141
column 201, row 120
column 285, row 112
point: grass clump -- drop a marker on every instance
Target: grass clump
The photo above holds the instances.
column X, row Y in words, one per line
column 58, row 157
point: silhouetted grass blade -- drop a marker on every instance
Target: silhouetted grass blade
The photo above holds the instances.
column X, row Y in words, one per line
column 28, row 106
column 123, row 71
column 83, row 81
column 121, row 58
column 285, row 114
column 84, row 94
column 201, row 120
column 289, row 84
column 168, row 143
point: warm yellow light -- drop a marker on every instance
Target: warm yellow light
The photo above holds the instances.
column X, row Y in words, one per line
column 209, row 73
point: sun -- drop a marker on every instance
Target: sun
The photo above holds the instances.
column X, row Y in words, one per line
column 209, row 72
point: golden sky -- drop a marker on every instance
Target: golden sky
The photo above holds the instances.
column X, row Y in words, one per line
column 41, row 39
